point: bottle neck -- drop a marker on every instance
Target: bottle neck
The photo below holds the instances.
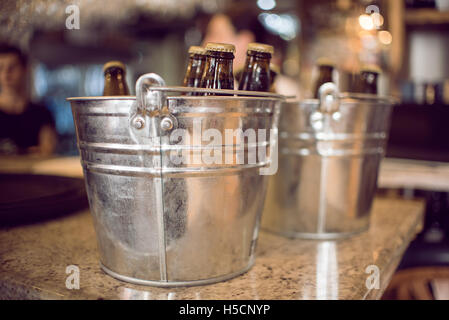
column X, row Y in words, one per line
column 259, row 55
column 256, row 74
column 218, row 72
column 115, row 82
column 324, row 76
column 115, row 72
column 220, row 66
column 257, row 60
column 194, row 70
column 370, row 77
column 197, row 61
column 325, row 72
column 369, row 82
column 221, row 61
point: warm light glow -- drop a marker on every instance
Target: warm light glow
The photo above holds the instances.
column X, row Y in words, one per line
column 378, row 20
column 385, row 37
column 344, row 4
column 366, row 22
column 266, row 4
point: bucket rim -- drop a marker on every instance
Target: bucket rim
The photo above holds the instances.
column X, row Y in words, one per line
column 351, row 97
column 236, row 94
column 133, row 98
column 94, row 98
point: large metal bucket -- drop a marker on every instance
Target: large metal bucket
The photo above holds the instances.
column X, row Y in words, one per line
column 329, row 156
column 163, row 223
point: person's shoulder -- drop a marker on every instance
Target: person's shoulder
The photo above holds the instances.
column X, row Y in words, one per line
column 40, row 111
column 37, row 106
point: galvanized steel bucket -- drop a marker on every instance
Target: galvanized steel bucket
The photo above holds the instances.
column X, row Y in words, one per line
column 329, row 155
column 163, row 223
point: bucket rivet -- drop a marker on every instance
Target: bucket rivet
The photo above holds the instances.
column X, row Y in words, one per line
column 138, row 123
column 166, row 124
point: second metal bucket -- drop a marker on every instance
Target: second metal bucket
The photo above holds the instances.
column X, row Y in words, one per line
column 329, row 156
column 164, row 222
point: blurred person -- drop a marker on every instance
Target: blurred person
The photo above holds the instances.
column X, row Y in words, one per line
column 221, row 29
column 25, row 127
column 240, row 26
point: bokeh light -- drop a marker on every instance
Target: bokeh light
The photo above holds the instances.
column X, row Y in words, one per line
column 366, row 22
column 266, row 4
column 385, row 37
column 378, row 19
column 284, row 25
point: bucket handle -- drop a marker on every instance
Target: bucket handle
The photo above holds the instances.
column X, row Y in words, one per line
column 328, row 106
column 149, row 100
column 328, row 95
column 150, row 103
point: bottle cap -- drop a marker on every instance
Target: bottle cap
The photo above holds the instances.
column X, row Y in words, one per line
column 197, row 50
column 113, row 64
column 222, row 47
column 325, row 62
column 371, row 68
column 260, row 47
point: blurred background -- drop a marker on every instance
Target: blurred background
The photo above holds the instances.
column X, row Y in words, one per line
column 408, row 39
column 153, row 36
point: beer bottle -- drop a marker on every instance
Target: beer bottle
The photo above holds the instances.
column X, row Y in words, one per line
column 256, row 73
column 274, row 71
column 325, row 70
column 114, row 79
column 195, row 68
column 218, row 69
column 353, row 79
column 368, row 79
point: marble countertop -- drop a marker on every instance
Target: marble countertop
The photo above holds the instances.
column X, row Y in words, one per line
column 414, row 174
column 34, row 258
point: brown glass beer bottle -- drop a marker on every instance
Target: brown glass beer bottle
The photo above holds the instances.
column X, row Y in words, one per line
column 218, row 69
column 195, row 68
column 325, row 71
column 256, row 74
column 274, row 71
column 369, row 75
column 115, row 79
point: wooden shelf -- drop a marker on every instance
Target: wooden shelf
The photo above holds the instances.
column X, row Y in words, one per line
column 426, row 16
